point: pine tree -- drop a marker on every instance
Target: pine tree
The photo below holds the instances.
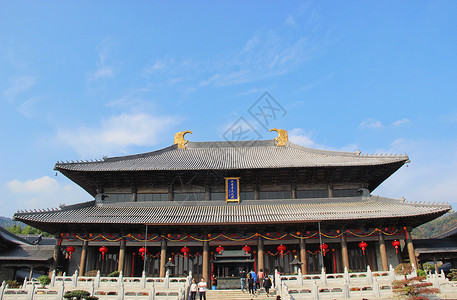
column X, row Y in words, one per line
column 413, row 287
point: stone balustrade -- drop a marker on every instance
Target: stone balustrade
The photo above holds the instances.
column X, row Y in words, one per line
column 346, row 285
column 105, row 288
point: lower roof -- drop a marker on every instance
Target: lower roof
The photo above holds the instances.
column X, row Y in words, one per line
column 251, row 212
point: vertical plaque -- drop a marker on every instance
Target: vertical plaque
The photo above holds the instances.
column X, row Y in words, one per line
column 232, row 189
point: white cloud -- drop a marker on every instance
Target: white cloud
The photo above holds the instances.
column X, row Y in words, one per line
column 116, row 134
column 45, row 192
column 157, row 65
column 431, row 175
column 18, row 86
column 401, row 122
column 371, row 123
column 290, row 21
column 104, row 70
column 27, row 107
column 298, row 136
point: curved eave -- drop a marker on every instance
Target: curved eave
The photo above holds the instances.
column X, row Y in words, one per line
column 355, row 210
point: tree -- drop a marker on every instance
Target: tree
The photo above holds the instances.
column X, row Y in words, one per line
column 411, row 287
column 44, row 280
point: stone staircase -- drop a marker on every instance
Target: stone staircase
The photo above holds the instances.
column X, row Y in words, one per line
column 238, row 295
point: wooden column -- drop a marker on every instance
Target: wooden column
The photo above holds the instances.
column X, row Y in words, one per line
column 409, row 244
column 260, row 255
column 120, row 266
column 344, row 252
column 82, row 263
column 382, row 250
column 57, row 256
column 163, row 257
column 206, row 270
column 304, row 266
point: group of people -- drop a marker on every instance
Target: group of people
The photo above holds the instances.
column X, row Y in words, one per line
column 250, row 281
column 200, row 287
column 253, row 282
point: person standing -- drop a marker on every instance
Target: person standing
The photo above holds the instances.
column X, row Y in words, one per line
column 254, row 276
column 267, row 285
column 193, row 290
column 202, row 289
column 243, row 280
column 251, row 283
column 261, row 276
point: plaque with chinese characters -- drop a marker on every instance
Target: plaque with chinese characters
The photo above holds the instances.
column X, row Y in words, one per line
column 232, row 189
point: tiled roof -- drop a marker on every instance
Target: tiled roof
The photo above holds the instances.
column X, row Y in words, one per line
column 248, row 212
column 28, row 252
column 11, row 237
column 232, row 155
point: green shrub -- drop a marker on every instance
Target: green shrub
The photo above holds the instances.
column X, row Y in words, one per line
column 421, row 273
column 79, row 295
column 44, row 280
column 13, row 284
column 114, row 274
column 452, row 275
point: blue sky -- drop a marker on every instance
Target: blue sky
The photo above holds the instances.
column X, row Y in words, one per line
column 85, row 79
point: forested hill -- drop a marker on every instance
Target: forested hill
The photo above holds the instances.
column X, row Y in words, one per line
column 435, row 227
column 7, row 222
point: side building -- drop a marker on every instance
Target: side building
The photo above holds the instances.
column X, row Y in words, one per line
column 221, row 208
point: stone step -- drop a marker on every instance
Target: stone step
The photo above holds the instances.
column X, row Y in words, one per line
column 237, row 295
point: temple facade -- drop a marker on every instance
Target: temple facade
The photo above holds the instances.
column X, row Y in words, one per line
column 221, row 208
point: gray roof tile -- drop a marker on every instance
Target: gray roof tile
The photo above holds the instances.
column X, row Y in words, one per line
column 232, row 155
column 248, row 212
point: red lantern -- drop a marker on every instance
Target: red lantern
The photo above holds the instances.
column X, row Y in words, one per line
column 396, row 244
column 70, row 250
column 323, row 248
column 185, row 251
column 363, row 245
column 143, row 251
column 247, row 249
column 103, row 250
column 281, row 249
column 220, row 249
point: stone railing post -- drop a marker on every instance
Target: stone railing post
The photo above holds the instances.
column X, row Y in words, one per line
column 121, row 292
column 346, row 275
column 167, row 280
column 53, row 278
column 152, row 294
column 391, row 273
column 300, row 277
column 436, row 283
column 75, row 279
column 24, row 285
column 121, row 278
column 315, row 291
column 143, row 279
column 61, row 292
column 92, row 288
column 31, row 291
column 376, row 289
column 346, row 294
column 369, row 275
column 2, row 289
column 323, row 277
column 97, row 279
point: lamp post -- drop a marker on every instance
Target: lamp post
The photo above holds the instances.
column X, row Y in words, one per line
column 296, row 264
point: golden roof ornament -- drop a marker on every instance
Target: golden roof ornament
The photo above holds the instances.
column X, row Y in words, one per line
column 179, row 139
column 282, row 139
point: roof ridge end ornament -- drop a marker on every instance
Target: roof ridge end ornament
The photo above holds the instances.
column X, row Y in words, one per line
column 179, row 139
column 282, row 139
